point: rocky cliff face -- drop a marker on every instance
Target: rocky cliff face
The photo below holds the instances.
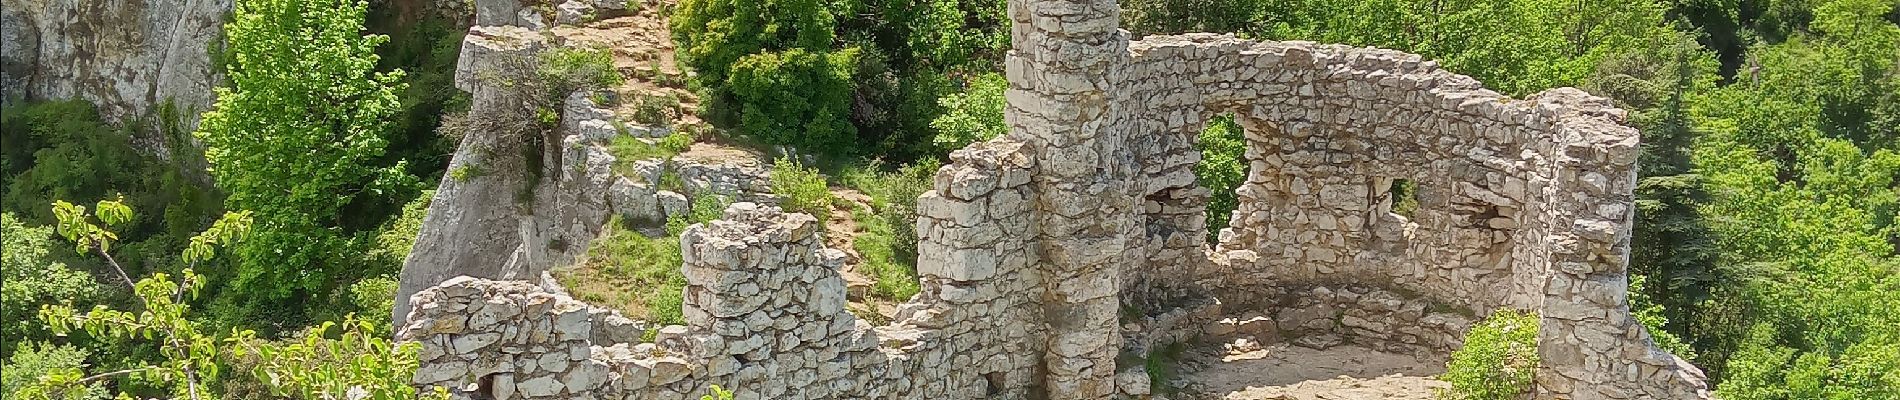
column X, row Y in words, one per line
column 128, row 57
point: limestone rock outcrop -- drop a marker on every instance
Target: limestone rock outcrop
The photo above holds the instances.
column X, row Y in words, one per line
column 126, row 57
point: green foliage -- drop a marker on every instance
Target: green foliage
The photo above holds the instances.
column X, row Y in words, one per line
column 359, row 360
column 61, row 150
column 398, row 236
column 424, row 45
column 1514, row 46
column 299, row 137
column 801, row 189
column 893, row 278
column 318, row 367
column 29, row 276
column 889, row 241
column 190, row 356
column 1498, row 360
column 627, row 149
column 32, row 361
column 718, row 393
column 1163, row 365
column 972, row 116
column 573, row 68
column 796, row 97
column 465, row 172
column 1223, row 168
column 837, row 77
column 1654, row 319
column 771, row 68
column 372, row 299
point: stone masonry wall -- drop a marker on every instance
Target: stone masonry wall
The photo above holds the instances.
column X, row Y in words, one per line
column 1035, row 245
column 765, row 313
column 1522, row 203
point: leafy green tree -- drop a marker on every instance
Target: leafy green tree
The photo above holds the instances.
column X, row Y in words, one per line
column 29, row 277
column 1223, row 167
column 359, row 364
column 771, row 68
column 32, row 361
column 796, row 97
column 974, row 115
column 299, row 137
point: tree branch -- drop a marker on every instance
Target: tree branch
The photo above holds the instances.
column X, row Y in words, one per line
column 96, row 247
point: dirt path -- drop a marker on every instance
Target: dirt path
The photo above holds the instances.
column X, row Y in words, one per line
column 1286, row 372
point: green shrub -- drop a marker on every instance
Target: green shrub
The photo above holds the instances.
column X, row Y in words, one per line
column 574, row 68
column 657, row 109
column 29, row 277
column 892, row 221
column 972, row 116
column 32, row 361
column 894, row 279
column 1498, row 361
column 1162, row 365
column 796, row 98
column 801, row 189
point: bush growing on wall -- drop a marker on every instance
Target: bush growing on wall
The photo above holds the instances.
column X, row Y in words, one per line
column 1498, row 360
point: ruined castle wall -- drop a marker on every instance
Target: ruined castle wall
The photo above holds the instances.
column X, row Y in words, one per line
column 1032, row 244
column 1522, row 203
column 765, row 312
column 1329, row 130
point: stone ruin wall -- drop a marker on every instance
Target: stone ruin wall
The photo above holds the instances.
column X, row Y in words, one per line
column 1033, row 246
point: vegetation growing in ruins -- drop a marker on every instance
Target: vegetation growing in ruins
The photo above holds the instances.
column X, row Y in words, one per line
column 623, row 258
column 1498, row 359
column 1765, row 244
column 801, row 189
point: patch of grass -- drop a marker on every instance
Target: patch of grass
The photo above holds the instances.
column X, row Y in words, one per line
column 894, row 200
column 895, row 279
column 630, row 272
column 1498, row 361
column 801, row 189
column 637, row 274
column 1163, row 366
column 627, row 149
column 581, row 67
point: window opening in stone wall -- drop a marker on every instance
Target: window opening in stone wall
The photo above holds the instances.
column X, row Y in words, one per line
column 1404, row 198
column 1223, row 167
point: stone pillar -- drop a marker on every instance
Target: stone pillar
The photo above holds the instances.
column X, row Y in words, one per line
column 1591, row 348
column 472, row 226
column 1065, row 61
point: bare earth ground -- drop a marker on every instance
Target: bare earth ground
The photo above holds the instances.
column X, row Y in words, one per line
column 1286, row 372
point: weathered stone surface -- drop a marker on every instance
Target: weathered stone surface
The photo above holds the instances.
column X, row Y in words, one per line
column 1081, row 235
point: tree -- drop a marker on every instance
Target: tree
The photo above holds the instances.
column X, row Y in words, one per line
column 359, row 364
column 29, row 277
column 299, row 137
column 972, row 116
